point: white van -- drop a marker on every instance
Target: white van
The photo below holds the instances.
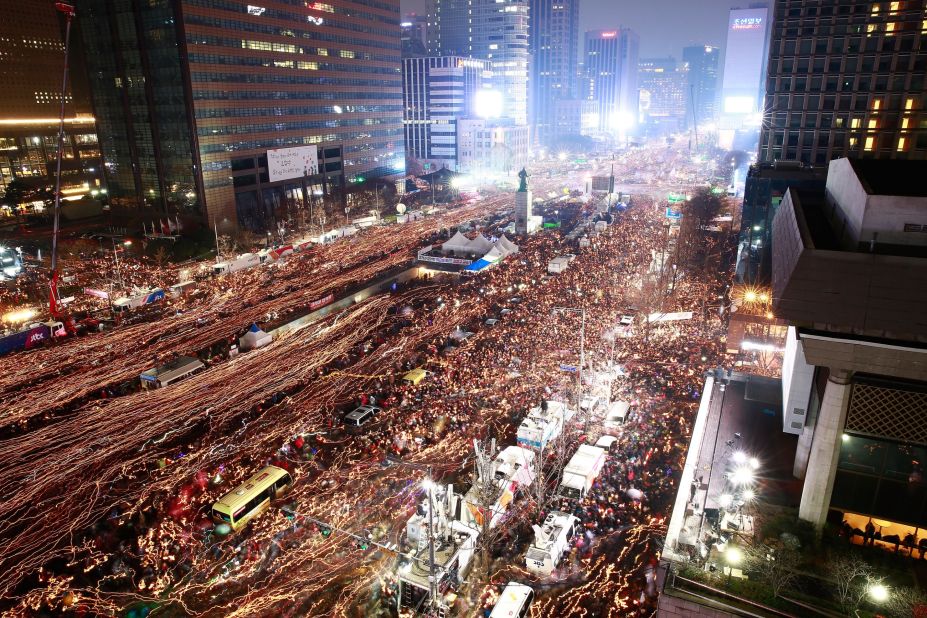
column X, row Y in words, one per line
column 514, row 602
column 617, row 413
column 360, row 415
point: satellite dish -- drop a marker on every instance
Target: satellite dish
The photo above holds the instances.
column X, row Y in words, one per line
column 401, row 208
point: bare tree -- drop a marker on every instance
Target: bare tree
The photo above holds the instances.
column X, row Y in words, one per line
column 160, row 256
column 905, row 601
column 852, row 578
column 776, row 565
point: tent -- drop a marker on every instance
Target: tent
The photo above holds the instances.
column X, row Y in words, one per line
column 480, row 244
column 457, row 244
column 494, row 255
column 255, row 338
column 507, row 244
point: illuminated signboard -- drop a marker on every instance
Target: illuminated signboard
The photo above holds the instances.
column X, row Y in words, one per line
column 256, row 10
column 318, row 21
column 609, row 35
column 747, row 23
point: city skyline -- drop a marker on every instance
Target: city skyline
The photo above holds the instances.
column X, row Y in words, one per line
column 704, row 22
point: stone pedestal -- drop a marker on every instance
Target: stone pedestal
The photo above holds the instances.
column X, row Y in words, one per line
column 825, row 449
column 523, row 212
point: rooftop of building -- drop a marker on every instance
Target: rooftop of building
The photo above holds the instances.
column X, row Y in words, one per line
column 891, row 176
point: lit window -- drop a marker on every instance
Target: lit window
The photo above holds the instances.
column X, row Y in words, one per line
column 870, row 141
column 890, row 27
column 876, row 104
column 346, row 53
column 875, row 9
column 854, row 124
column 852, row 142
column 909, row 104
column 901, row 141
column 905, row 122
column 873, row 123
column 894, row 6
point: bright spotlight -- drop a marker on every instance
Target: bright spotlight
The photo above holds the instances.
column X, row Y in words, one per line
column 562, row 156
column 742, row 476
column 726, row 500
column 733, row 555
column 739, row 457
column 488, row 103
column 428, row 485
column 749, row 495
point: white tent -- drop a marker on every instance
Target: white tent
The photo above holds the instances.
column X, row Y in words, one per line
column 457, row 244
column 507, row 244
column 255, row 338
column 480, row 244
column 494, row 255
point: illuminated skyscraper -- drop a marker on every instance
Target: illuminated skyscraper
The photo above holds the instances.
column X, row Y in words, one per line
column 499, row 34
column 702, row 65
column 31, row 62
column 553, row 38
column 744, row 64
column 846, row 79
column 663, row 93
column 235, row 111
column 611, row 58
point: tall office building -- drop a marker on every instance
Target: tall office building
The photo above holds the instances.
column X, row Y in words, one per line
column 611, row 59
column 745, row 57
column 449, row 31
column 31, row 63
column 846, row 262
column 235, row 111
column 499, row 34
column 553, row 39
column 702, row 65
column 663, row 94
column 437, row 93
column 846, row 80
column 414, row 35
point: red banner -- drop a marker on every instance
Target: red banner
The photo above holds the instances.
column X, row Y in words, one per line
column 318, row 304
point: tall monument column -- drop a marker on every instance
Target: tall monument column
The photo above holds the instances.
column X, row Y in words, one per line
column 523, row 219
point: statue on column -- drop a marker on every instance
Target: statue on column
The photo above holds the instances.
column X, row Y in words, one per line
column 523, row 177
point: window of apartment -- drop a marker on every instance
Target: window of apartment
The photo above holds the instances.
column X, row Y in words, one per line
column 870, row 143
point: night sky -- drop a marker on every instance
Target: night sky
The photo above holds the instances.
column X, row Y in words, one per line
column 664, row 26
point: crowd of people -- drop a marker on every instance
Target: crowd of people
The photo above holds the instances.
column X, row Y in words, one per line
column 475, row 389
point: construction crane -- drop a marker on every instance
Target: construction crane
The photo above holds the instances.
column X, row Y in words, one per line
column 53, row 304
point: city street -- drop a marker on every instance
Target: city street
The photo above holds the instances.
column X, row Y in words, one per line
column 130, row 476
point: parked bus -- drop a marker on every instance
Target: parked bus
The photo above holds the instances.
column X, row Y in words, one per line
column 252, row 497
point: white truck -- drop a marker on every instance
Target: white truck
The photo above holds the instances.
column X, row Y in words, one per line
column 551, row 542
column 617, row 414
column 541, row 426
column 581, row 471
column 559, row 263
column 515, row 463
column 242, row 262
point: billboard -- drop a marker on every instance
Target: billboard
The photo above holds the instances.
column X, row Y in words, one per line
column 603, row 183
column 745, row 56
column 287, row 163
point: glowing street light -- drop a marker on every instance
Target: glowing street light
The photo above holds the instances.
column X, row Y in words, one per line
column 742, row 476
column 562, row 156
column 878, row 592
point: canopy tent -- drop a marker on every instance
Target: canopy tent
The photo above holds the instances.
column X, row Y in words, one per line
column 255, row 338
column 480, row 244
column 507, row 244
column 457, row 244
column 669, row 317
column 494, row 255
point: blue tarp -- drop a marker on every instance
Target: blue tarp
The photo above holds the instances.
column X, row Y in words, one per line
column 478, row 265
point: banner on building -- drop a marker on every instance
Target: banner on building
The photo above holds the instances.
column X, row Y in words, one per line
column 288, row 163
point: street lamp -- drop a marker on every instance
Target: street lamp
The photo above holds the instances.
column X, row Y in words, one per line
column 582, row 350
column 733, row 557
column 878, row 592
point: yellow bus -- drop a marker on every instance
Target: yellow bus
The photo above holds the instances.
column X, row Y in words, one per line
column 252, row 497
column 415, row 376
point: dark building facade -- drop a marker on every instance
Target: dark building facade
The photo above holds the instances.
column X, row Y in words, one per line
column 31, row 63
column 553, row 37
column 702, row 87
column 449, row 28
column 208, row 107
column 846, row 79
